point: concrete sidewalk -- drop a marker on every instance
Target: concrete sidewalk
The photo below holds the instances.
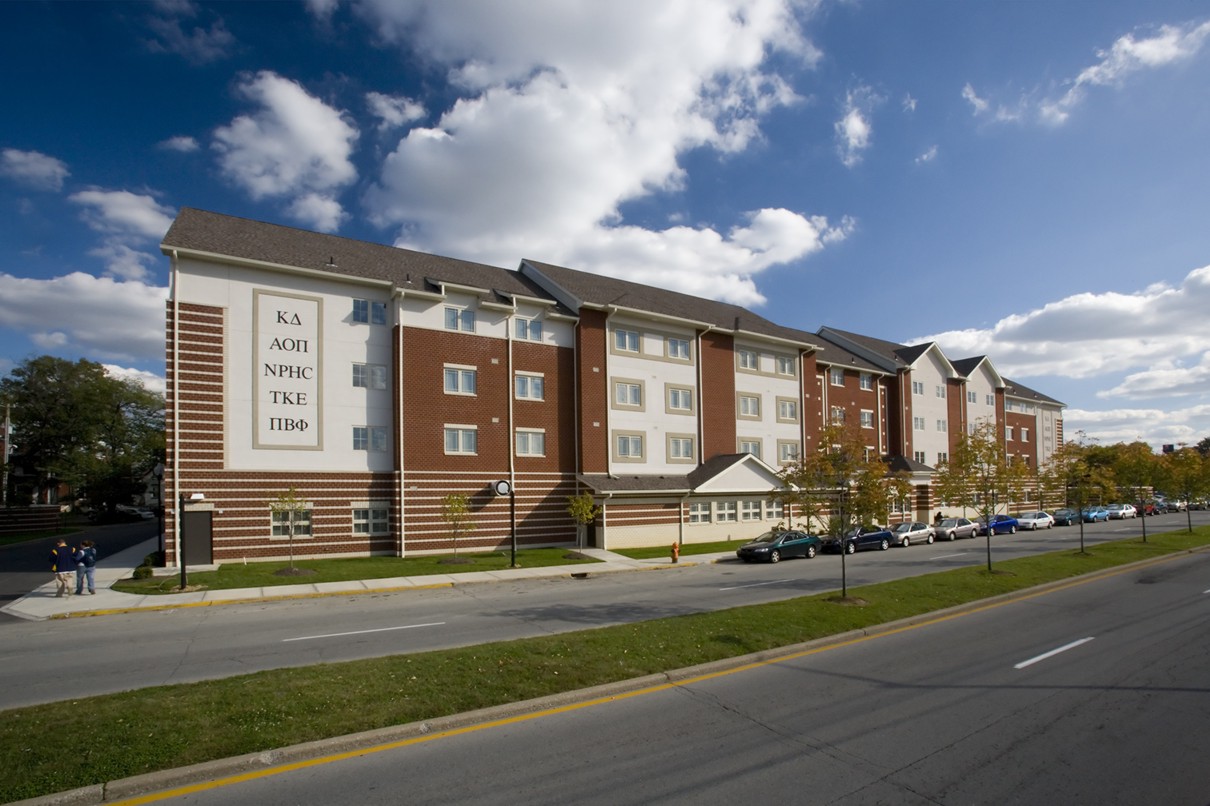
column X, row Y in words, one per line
column 42, row 604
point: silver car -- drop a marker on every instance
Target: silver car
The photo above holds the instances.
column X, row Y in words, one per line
column 1035, row 520
column 954, row 528
column 905, row 534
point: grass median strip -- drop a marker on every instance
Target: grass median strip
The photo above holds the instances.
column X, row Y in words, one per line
column 51, row 748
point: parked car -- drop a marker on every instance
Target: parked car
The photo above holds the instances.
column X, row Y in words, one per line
column 859, row 539
column 953, row 528
column 1001, row 525
column 905, row 534
column 1066, row 517
column 1094, row 514
column 1035, row 520
column 774, row 546
column 1122, row 511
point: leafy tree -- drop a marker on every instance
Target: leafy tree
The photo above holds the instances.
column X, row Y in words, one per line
column 583, row 511
column 290, row 505
column 1137, row 468
column 980, row 476
column 456, row 512
column 1203, row 447
column 1186, row 475
column 75, row 424
column 1084, row 473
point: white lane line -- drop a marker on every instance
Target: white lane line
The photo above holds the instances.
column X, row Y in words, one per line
column 363, row 632
column 1051, row 653
column 947, row 556
column 755, row 585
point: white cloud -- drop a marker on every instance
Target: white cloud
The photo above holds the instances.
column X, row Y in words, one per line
column 294, row 146
column 124, row 262
column 1128, row 55
column 1154, row 426
column 571, row 109
column 181, row 143
column 198, row 45
column 33, row 169
column 95, row 316
column 909, row 103
column 317, row 211
column 853, row 130
column 927, row 156
column 120, row 212
column 979, row 105
column 149, row 380
column 394, row 110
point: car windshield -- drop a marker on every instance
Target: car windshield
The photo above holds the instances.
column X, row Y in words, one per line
column 950, row 522
column 768, row 537
column 904, row 527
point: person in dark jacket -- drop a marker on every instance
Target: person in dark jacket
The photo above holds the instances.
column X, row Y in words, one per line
column 62, row 564
column 86, row 563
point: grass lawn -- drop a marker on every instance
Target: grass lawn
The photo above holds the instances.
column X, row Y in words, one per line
column 653, row 552
column 263, row 575
column 80, row 742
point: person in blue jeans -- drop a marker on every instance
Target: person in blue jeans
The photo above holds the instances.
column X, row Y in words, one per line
column 86, row 563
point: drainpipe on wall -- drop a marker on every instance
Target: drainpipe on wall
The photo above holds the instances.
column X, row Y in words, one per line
column 176, row 407
column 397, row 379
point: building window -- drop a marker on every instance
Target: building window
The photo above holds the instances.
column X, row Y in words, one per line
column 787, row 366
column 837, row 415
column 917, row 423
column 867, row 381
column 461, row 439
column 787, row 410
column 972, row 397
column 747, row 360
column 371, row 519
column 1025, row 435
column 680, row 448
column 942, row 426
column 918, row 456
column 680, row 400
column 368, row 312
column 941, row 392
column 787, row 451
column 369, row 438
column 867, row 418
column 726, row 512
column 836, row 376
column 531, row 442
column 370, row 376
column 460, row 319
column 990, row 399
column 749, row 510
column 773, row 510
column 749, row 407
column 302, row 523
column 751, row 446
column 628, row 394
column 628, row 447
column 699, row 512
column 1008, row 433
column 677, row 348
column 942, row 457
column 528, row 329
column 530, row 386
column 626, row 341
column 460, row 380
column 917, row 387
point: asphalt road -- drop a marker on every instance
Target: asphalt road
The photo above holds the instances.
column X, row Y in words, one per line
column 41, row 661
column 1093, row 694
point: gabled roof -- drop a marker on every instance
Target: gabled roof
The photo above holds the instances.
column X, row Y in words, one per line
column 721, row 474
column 578, row 289
column 1020, row 391
column 902, row 464
column 967, row 367
column 829, row 353
column 887, row 354
column 206, row 234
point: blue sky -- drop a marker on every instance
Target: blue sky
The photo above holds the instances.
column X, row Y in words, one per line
column 1025, row 180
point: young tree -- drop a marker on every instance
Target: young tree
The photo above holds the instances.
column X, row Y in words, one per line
column 1136, row 468
column 980, row 476
column 1187, row 476
column 1084, row 473
column 289, row 506
column 456, row 512
column 583, row 511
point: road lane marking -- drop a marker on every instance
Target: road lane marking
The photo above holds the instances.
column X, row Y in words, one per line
column 947, row 556
column 755, row 585
column 363, row 632
column 1051, row 653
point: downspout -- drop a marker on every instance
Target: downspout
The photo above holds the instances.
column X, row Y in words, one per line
column 512, row 436
column 176, row 409
column 398, row 381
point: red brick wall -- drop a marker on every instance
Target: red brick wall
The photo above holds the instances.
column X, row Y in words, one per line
column 592, row 343
column 812, row 420
column 718, row 395
column 955, row 411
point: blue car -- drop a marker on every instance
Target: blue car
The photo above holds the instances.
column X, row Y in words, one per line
column 1001, row 525
column 1094, row 514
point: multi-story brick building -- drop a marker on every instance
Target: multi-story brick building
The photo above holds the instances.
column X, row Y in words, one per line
column 376, row 381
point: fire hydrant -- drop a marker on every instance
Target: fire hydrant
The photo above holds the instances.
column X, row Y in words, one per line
column 676, row 552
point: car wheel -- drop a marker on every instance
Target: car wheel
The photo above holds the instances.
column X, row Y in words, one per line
column 950, row 537
column 884, row 545
column 929, row 540
column 775, row 556
column 810, row 552
column 907, row 541
column 1012, row 530
column 850, row 548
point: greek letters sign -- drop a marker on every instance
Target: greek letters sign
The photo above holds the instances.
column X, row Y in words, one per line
column 287, row 409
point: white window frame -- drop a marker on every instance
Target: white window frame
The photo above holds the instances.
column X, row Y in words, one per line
column 466, row 440
column 941, row 392
column 942, row 426
column 527, row 329
column 866, row 381
column 788, row 450
column 459, row 319
column 629, row 446
column 867, row 418
column 918, row 387
column 529, row 386
column 918, row 423
column 678, row 394
column 773, row 510
column 371, row 518
column 369, row 376
column 626, row 341
column 279, row 521
column 726, row 512
column 836, row 415
column 918, row 456
column 530, row 441
column 369, row 312
column 750, row 402
column 700, row 512
column 460, row 379
column 787, row 410
column 972, row 397
column 677, row 349
column 836, row 376
column 370, row 438
column 747, row 446
column 682, row 448
column 748, row 360
column 787, row 366
column 751, row 509
column 624, row 392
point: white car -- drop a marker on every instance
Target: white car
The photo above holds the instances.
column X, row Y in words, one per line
column 1035, row 520
column 1122, row 511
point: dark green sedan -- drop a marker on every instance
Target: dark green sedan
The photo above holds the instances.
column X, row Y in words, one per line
column 775, row 546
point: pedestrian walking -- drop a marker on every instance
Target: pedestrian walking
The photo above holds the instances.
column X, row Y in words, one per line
column 86, row 564
column 62, row 564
